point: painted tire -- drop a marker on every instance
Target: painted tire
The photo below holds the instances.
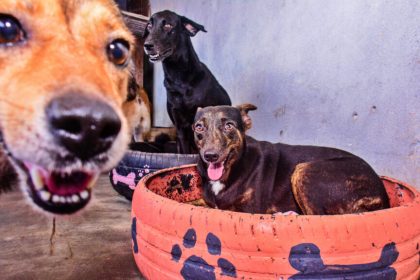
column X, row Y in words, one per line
column 173, row 240
column 136, row 164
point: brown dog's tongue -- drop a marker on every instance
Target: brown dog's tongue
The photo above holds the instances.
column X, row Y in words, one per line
column 215, row 171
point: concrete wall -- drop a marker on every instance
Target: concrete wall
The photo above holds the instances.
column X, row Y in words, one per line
column 336, row 73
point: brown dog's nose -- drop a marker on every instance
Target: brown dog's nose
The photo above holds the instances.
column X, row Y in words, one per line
column 211, row 156
column 84, row 126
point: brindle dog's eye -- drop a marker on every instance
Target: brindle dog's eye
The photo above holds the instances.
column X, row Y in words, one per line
column 118, row 52
column 229, row 126
column 11, row 32
column 199, row 128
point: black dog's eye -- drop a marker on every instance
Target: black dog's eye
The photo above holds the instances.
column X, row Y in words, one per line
column 198, row 128
column 229, row 126
column 118, row 52
column 11, row 31
column 149, row 26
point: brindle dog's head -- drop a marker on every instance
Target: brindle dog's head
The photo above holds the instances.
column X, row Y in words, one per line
column 166, row 33
column 63, row 79
column 219, row 134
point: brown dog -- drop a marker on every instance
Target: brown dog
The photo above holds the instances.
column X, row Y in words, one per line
column 63, row 79
column 242, row 174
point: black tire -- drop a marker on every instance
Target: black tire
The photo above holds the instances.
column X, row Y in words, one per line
column 136, row 164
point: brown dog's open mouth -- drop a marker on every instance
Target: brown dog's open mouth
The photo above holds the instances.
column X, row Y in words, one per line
column 57, row 191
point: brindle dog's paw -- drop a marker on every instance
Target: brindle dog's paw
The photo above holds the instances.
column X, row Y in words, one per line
column 196, row 267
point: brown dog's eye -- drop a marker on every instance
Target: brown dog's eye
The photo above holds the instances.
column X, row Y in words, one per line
column 118, row 52
column 11, row 32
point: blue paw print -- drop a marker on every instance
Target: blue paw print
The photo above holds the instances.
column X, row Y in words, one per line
column 306, row 258
column 134, row 235
column 195, row 267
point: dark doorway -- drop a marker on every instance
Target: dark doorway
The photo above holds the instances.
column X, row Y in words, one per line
column 144, row 76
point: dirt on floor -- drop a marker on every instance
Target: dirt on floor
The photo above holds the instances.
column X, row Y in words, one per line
column 93, row 244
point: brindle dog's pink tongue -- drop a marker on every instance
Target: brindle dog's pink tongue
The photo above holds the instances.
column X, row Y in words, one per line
column 215, row 171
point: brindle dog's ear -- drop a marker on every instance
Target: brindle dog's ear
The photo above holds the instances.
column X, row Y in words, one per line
column 191, row 27
column 246, row 119
column 196, row 114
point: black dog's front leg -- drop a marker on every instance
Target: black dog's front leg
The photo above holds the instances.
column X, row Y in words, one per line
column 184, row 134
column 184, row 140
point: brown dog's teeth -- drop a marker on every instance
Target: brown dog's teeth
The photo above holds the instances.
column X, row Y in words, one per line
column 36, row 178
column 55, row 198
column 92, row 182
column 84, row 195
column 44, row 195
column 75, row 198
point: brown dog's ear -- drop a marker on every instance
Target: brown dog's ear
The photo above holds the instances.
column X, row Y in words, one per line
column 191, row 27
column 246, row 119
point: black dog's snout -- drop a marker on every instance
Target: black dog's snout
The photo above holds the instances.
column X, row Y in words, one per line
column 148, row 46
column 84, row 126
column 211, row 156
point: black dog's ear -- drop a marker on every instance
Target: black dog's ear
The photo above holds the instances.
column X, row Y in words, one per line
column 145, row 33
column 191, row 27
column 246, row 119
column 146, row 30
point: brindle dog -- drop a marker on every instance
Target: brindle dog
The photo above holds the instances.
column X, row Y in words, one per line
column 242, row 174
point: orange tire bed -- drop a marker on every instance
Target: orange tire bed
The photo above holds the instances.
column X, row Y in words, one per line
column 172, row 239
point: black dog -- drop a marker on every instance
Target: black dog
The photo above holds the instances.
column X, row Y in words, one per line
column 242, row 174
column 189, row 83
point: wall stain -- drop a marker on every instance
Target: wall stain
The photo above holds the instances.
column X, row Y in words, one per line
column 355, row 116
column 279, row 112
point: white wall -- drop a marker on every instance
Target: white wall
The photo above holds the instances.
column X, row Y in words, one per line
column 336, row 73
